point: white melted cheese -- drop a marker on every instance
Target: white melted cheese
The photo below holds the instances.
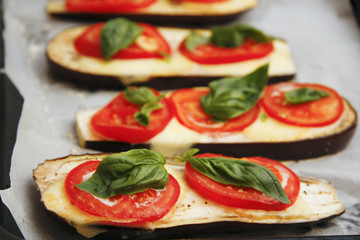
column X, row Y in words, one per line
column 166, row 7
column 107, row 201
column 61, row 50
column 176, row 139
column 317, row 200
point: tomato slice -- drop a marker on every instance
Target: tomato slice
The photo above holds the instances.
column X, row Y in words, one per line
column 211, row 54
column 146, row 206
column 89, row 44
column 317, row 113
column 242, row 197
column 107, row 6
column 116, row 121
column 189, row 112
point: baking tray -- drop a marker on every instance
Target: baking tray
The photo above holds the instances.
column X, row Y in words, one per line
column 10, row 109
column 356, row 9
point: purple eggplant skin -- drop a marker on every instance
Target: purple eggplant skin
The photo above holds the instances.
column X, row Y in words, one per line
column 224, row 228
column 159, row 83
column 162, row 20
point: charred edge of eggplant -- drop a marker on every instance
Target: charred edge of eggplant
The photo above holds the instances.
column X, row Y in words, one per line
column 160, row 83
column 189, row 229
column 202, row 229
column 164, row 20
column 59, row 220
column 86, row 156
column 291, row 150
column 114, row 146
column 294, row 150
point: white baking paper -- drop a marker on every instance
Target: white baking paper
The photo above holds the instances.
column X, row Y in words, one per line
column 325, row 43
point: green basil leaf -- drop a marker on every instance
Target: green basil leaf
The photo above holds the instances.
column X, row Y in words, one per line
column 127, row 173
column 234, row 36
column 231, row 97
column 227, row 37
column 263, row 117
column 165, row 55
column 143, row 117
column 189, row 154
column 118, row 34
column 303, row 95
column 194, row 39
column 146, row 98
column 240, row 173
column 251, row 32
column 139, row 95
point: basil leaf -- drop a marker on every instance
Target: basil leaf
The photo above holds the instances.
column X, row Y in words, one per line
column 139, row 95
column 194, row 40
column 118, row 34
column 127, row 173
column 235, row 35
column 143, row 117
column 227, row 37
column 146, row 98
column 189, row 154
column 263, row 117
column 165, row 55
column 303, row 95
column 251, row 32
column 240, row 173
column 231, row 97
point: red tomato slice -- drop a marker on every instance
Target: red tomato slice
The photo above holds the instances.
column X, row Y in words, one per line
column 211, row 54
column 89, row 44
column 242, row 197
column 189, row 112
column 148, row 206
column 116, row 121
column 317, row 113
column 107, row 6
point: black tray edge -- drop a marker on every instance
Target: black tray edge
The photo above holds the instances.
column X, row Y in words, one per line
column 356, row 9
column 10, row 110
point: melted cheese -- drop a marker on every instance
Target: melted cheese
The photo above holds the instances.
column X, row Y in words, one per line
column 175, row 139
column 61, row 51
column 166, row 7
column 317, row 200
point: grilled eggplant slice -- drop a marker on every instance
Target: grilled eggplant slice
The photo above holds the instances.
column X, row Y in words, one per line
column 317, row 202
column 178, row 72
column 166, row 12
column 266, row 138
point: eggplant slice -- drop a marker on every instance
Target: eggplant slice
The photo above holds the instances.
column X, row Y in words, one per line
column 166, row 12
column 269, row 138
column 192, row 214
column 178, row 72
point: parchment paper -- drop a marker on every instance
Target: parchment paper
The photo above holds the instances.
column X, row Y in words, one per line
column 325, row 43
